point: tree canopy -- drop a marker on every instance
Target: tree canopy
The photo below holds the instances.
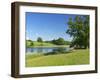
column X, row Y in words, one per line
column 78, row 28
column 29, row 43
column 39, row 39
column 60, row 41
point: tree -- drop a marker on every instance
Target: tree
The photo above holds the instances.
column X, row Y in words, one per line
column 78, row 28
column 39, row 39
column 54, row 41
column 59, row 41
column 29, row 43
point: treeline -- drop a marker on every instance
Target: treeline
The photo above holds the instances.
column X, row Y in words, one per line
column 59, row 41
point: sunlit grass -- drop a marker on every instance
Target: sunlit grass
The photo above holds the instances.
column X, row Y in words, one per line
column 76, row 57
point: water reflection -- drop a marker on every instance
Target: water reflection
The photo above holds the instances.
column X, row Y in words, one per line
column 46, row 49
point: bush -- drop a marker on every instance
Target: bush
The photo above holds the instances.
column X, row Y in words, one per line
column 57, row 51
column 29, row 43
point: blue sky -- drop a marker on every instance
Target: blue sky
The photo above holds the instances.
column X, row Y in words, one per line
column 47, row 26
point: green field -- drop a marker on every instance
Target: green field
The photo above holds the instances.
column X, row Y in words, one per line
column 38, row 44
column 76, row 57
column 43, row 44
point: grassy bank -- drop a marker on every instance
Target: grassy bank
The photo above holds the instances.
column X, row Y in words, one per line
column 43, row 44
column 76, row 57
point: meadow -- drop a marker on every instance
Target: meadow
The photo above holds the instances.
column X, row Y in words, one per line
column 75, row 57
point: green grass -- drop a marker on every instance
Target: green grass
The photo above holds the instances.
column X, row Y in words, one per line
column 44, row 44
column 76, row 57
column 39, row 44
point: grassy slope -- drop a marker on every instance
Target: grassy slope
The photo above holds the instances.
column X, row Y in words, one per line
column 74, row 58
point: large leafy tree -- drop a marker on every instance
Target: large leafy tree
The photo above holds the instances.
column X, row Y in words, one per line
column 78, row 28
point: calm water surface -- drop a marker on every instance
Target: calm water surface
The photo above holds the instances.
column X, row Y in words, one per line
column 44, row 49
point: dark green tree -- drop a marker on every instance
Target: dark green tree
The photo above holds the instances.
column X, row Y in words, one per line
column 39, row 39
column 78, row 28
column 29, row 43
column 54, row 41
column 60, row 41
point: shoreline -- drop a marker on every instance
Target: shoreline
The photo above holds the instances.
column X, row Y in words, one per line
column 48, row 46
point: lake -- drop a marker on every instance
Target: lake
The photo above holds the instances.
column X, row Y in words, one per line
column 45, row 49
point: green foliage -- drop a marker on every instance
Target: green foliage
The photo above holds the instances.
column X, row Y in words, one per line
column 78, row 28
column 60, row 41
column 39, row 39
column 29, row 43
column 57, row 51
column 40, row 43
column 67, row 42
